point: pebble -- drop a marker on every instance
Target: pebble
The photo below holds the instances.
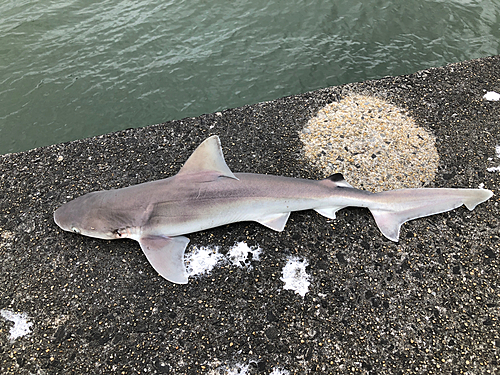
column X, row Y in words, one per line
column 373, row 143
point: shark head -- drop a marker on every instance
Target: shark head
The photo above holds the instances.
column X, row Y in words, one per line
column 85, row 215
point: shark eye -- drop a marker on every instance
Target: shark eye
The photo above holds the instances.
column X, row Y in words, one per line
column 75, row 230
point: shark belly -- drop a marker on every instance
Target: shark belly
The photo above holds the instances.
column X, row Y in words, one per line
column 264, row 199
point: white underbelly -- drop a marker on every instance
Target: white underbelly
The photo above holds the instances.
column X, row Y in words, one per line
column 254, row 210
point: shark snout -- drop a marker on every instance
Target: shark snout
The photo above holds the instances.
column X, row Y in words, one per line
column 83, row 216
column 72, row 216
column 61, row 217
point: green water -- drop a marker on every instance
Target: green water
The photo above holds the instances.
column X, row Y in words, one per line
column 72, row 69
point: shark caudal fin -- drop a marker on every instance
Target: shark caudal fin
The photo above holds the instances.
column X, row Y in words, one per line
column 393, row 208
column 166, row 255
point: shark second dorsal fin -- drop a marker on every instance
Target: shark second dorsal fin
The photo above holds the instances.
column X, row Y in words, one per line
column 208, row 156
column 338, row 180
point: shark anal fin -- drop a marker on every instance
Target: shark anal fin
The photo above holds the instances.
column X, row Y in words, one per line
column 328, row 212
column 166, row 255
column 208, row 156
column 276, row 222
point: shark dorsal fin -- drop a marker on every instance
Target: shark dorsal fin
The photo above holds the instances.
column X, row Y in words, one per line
column 208, row 156
column 338, row 180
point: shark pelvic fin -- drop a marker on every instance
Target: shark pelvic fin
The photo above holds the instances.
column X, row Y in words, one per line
column 208, row 156
column 166, row 255
column 275, row 222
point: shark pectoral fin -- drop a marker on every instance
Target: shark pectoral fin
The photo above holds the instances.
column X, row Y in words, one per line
column 166, row 255
column 275, row 221
column 208, row 156
column 328, row 212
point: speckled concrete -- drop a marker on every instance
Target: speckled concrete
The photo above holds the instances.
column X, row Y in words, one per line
column 429, row 304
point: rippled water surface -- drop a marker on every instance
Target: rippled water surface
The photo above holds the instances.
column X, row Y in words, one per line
column 72, row 69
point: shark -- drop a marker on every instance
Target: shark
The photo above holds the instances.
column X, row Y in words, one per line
column 205, row 194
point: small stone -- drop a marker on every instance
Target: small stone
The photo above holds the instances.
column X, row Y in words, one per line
column 387, row 152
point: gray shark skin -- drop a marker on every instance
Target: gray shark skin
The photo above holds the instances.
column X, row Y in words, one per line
column 206, row 194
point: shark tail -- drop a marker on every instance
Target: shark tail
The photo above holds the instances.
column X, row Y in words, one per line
column 393, row 208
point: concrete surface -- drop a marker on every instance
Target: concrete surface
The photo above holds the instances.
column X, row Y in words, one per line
column 429, row 304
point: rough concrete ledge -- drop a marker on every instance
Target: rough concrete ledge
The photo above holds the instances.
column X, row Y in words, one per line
column 429, row 304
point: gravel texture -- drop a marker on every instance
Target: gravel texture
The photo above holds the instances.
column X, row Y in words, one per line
column 429, row 304
column 372, row 142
